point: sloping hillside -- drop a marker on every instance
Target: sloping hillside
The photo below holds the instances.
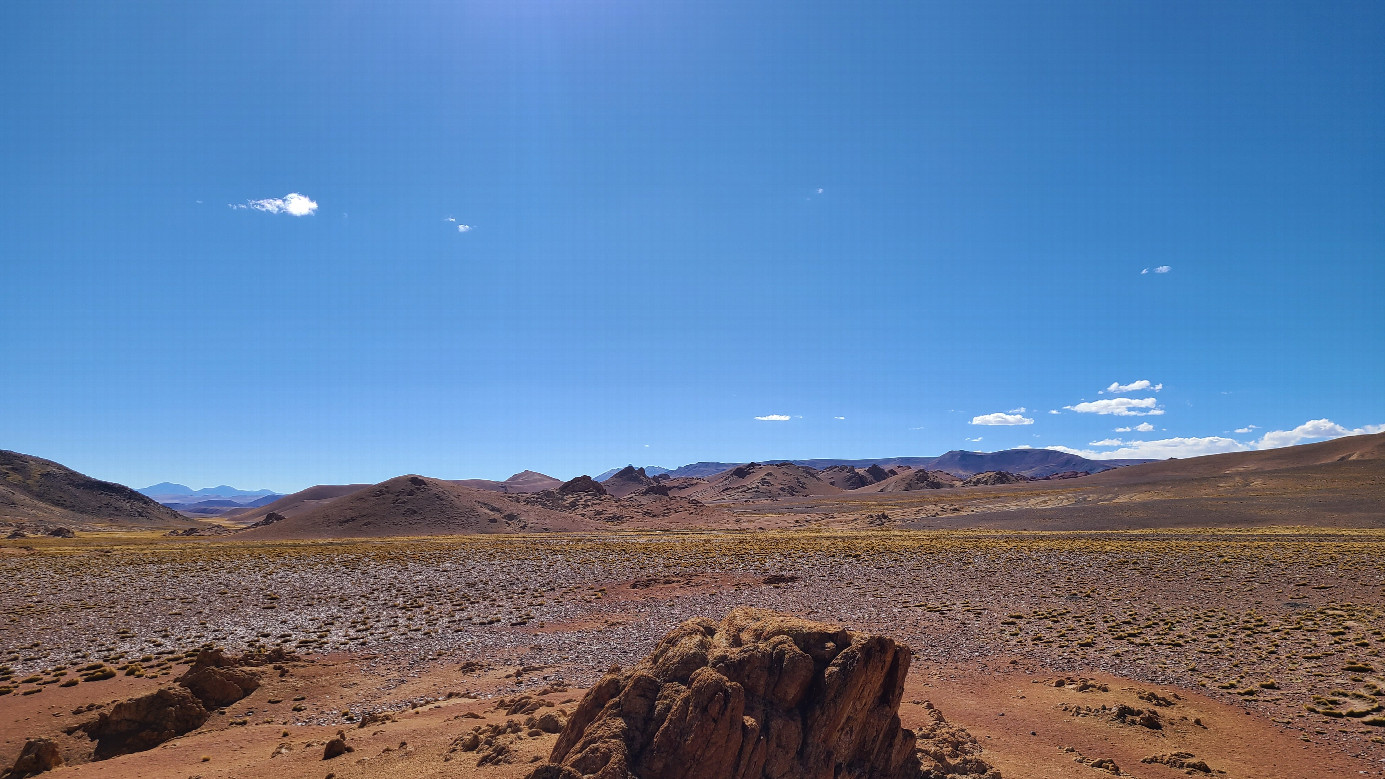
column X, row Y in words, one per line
column 36, row 490
column 757, row 481
column 415, row 505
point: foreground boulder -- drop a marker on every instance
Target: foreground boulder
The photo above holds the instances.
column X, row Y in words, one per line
column 762, row 694
column 143, row 723
column 38, row 755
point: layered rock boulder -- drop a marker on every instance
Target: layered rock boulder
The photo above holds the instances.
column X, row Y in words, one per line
column 38, row 755
column 143, row 723
column 760, row 695
column 217, row 681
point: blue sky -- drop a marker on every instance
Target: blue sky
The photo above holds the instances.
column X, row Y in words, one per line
column 885, row 221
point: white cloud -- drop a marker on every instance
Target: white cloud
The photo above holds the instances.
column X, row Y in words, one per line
column 448, row 219
column 1054, row 411
column 1019, row 410
column 1246, row 429
column 1001, row 418
column 1160, row 449
column 1160, row 269
column 464, row 228
column 1106, row 442
column 1314, row 428
column 1143, row 427
column 1121, row 407
column 839, row 418
column 819, row 190
column 774, row 418
column 1134, row 386
column 975, row 440
column 292, row 204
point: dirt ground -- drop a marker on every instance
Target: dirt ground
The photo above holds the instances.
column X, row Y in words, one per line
column 1255, row 652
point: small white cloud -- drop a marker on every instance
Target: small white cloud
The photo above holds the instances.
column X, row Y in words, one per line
column 1163, row 269
column 839, row 418
column 463, row 228
column 1134, row 386
column 1312, row 429
column 774, row 418
column 975, row 440
column 1054, row 411
column 292, row 204
column 1121, row 407
column 1245, row 429
column 448, row 219
column 819, row 190
column 1107, row 442
column 1001, row 418
column 1143, row 427
column 1019, row 410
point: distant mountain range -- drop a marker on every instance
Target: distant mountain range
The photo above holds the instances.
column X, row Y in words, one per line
column 169, row 490
column 1034, row 463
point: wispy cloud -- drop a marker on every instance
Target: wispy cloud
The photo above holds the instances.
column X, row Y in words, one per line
column 1107, row 442
column 1121, row 407
column 1143, row 427
column 1246, row 429
column 1001, row 418
column 774, row 418
column 839, row 418
column 1134, row 386
column 464, row 228
column 292, row 204
column 975, row 440
column 1019, row 410
column 1054, row 411
column 1157, row 269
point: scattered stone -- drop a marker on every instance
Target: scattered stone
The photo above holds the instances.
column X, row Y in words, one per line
column 1183, row 760
column 337, row 747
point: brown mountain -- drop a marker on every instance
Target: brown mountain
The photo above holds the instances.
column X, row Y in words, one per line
column 415, row 505
column 911, row 480
column 299, row 502
column 521, row 483
column 626, row 481
column 760, row 481
column 649, row 507
column 36, row 490
column 990, row 478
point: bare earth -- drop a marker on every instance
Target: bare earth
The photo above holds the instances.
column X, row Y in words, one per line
column 1255, row 651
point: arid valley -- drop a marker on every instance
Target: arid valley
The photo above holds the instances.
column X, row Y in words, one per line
column 1218, row 615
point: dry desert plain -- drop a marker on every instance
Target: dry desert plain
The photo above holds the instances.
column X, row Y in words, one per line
column 1218, row 618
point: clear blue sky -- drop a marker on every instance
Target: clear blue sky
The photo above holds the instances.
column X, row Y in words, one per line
column 911, row 215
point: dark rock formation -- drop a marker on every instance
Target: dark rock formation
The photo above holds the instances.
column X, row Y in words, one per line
column 581, row 484
column 38, row 755
column 994, row 477
column 143, row 723
column 760, row 695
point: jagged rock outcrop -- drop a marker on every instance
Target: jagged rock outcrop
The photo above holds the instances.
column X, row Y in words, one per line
column 761, row 694
column 216, row 680
column 145, row 722
column 994, row 477
column 626, row 481
column 37, row 756
column 581, row 484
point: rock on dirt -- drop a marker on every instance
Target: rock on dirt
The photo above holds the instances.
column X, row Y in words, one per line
column 38, row 755
column 216, row 681
column 761, row 694
column 145, row 722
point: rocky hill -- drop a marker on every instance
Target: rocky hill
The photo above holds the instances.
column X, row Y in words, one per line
column 415, row 505
column 41, row 491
